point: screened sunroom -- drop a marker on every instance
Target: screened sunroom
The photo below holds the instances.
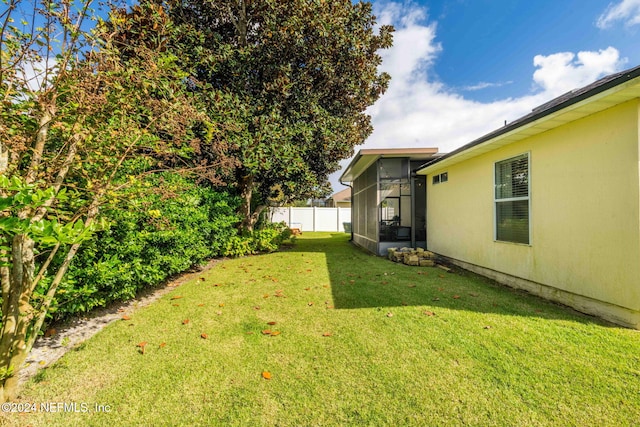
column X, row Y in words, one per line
column 388, row 201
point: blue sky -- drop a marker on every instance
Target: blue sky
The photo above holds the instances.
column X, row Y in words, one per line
column 494, row 42
column 460, row 68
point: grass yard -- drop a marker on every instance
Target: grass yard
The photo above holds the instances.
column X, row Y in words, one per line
column 346, row 339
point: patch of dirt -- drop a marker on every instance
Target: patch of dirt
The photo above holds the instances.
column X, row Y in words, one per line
column 68, row 335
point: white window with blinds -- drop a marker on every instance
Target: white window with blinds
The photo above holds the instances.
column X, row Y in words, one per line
column 512, row 202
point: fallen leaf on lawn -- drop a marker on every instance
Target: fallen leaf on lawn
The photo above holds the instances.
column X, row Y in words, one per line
column 266, row 296
column 389, row 314
column 412, row 286
column 185, row 321
column 326, row 334
column 202, row 279
column 249, row 332
column 176, row 297
column 275, row 333
column 141, row 345
column 266, row 375
column 309, row 304
column 256, row 307
column 325, row 286
column 308, row 270
column 125, row 317
column 271, row 323
column 307, row 289
column 217, row 284
column 329, row 307
column 176, row 305
column 428, row 313
column 204, row 336
column 456, row 297
column 219, row 313
column 162, row 345
column 200, row 305
column 487, row 327
column 221, row 304
column 266, row 332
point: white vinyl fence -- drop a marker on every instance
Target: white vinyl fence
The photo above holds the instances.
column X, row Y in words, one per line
column 314, row 219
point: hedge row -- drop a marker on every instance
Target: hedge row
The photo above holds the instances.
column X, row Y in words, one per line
column 161, row 226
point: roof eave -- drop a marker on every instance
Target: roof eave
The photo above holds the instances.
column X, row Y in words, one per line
column 625, row 87
column 367, row 156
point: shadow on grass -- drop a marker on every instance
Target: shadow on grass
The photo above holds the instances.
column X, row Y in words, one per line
column 362, row 280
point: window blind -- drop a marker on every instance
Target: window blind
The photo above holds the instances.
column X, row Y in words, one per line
column 512, row 199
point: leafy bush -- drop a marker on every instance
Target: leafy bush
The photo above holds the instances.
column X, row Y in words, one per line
column 266, row 239
column 161, row 226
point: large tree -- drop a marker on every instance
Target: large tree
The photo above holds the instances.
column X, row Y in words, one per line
column 302, row 72
column 75, row 114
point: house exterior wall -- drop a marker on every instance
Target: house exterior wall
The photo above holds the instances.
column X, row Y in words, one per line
column 584, row 246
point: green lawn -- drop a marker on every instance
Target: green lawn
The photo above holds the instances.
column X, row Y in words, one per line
column 357, row 340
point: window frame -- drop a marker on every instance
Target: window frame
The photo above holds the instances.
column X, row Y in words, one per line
column 527, row 198
column 440, row 178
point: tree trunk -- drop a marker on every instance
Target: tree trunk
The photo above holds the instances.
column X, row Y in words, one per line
column 16, row 316
column 4, row 158
column 246, row 192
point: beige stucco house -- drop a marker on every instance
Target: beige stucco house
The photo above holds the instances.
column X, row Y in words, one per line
column 340, row 199
column 550, row 203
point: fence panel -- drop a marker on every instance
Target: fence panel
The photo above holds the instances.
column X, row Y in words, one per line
column 314, row 219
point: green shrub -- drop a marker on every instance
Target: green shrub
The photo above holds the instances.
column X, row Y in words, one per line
column 162, row 226
column 268, row 238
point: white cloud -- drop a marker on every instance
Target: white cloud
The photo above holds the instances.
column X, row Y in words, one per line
column 561, row 72
column 419, row 111
column 484, row 85
column 627, row 11
column 415, row 47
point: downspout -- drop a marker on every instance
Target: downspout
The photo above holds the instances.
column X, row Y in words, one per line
column 412, row 181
